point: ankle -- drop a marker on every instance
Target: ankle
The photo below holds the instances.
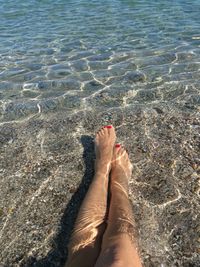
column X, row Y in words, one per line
column 102, row 167
column 119, row 179
column 102, row 170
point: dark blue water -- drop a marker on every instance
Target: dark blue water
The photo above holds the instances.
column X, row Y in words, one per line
column 58, row 55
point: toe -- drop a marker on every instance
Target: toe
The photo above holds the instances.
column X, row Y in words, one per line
column 122, row 150
column 103, row 131
column 117, row 146
column 126, row 153
column 100, row 131
column 112, row 131
column 97, row 135
column 110, row 128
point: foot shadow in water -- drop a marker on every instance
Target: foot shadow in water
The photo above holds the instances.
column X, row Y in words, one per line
column 58, row 255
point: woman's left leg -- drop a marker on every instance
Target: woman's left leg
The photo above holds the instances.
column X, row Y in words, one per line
column 85, row 243
column 119, row 247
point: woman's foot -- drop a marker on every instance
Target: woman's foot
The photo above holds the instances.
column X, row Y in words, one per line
column 104, row 143
column 121, row 162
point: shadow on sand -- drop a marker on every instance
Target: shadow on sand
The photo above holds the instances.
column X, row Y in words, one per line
column 58, row 255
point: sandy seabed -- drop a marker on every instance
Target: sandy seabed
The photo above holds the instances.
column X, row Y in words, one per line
column 46, row 166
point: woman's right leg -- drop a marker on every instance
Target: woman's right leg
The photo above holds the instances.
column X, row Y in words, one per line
column 119, row 243
column 85, row 244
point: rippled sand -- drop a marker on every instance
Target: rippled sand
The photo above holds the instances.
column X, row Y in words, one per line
column 54, row 96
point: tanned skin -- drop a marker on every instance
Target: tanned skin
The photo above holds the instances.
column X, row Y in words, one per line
column 103, row 235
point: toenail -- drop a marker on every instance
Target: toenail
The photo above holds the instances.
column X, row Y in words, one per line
column 117, row 145
column 109, row 126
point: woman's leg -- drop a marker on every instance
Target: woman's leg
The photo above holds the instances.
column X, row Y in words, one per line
column 85, row 243
column 119, row 244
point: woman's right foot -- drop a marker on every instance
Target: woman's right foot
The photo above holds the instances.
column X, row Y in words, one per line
column 121, row 164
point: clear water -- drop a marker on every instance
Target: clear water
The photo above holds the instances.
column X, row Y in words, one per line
column 57, row 55
column 69, row 67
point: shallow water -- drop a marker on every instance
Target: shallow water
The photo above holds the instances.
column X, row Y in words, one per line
column 65, row 55
column 66, row 68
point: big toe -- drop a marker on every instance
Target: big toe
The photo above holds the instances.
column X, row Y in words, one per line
column 111, row 130
column 120, row 154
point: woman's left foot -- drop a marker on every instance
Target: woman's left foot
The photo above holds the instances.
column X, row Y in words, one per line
column 104, row 143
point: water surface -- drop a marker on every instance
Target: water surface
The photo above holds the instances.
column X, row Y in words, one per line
column 68, row 67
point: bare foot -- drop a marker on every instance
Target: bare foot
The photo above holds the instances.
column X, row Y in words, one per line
column 121, row 163
column 104, row 143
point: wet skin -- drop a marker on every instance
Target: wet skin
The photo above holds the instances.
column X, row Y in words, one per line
column 99, row 239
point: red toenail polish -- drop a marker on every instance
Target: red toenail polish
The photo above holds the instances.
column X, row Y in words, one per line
column 109, row 126
column 117, row 145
